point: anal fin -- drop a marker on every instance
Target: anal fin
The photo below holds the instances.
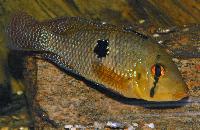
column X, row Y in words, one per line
column 59, row 61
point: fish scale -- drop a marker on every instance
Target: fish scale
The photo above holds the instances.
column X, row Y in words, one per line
column 109, row 55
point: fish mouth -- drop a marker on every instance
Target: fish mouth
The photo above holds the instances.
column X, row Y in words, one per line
column 180, row 95
column 163, row 97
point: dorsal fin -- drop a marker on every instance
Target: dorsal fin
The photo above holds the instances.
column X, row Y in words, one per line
column 67, row 25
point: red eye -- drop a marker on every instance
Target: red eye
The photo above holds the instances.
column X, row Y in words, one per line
column 158, row 70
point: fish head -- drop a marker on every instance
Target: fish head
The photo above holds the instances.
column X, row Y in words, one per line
column 157, row 78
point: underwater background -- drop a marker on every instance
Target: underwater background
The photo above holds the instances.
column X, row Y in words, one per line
column 149, row 15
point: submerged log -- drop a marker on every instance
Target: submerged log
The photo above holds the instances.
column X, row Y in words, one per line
column 63, row 100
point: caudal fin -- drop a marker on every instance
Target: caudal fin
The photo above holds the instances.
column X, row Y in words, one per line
column 24, row 33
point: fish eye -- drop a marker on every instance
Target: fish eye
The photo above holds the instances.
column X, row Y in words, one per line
column 157, row 70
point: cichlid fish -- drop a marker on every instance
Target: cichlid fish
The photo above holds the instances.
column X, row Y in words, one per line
column 115, row 57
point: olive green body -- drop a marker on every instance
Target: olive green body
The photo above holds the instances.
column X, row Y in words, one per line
column 126, row 66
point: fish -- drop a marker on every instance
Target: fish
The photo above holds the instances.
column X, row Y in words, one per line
column 117, row 58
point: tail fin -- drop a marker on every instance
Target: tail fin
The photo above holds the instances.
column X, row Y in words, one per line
column 24, row 33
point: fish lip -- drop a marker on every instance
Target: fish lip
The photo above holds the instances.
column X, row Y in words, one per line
column 168, row 96
column 180, row 95
column 174, row 97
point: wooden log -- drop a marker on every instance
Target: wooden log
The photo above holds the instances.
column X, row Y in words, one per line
column 69, row 101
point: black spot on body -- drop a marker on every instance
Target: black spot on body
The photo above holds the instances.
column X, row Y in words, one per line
column 101, row 49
